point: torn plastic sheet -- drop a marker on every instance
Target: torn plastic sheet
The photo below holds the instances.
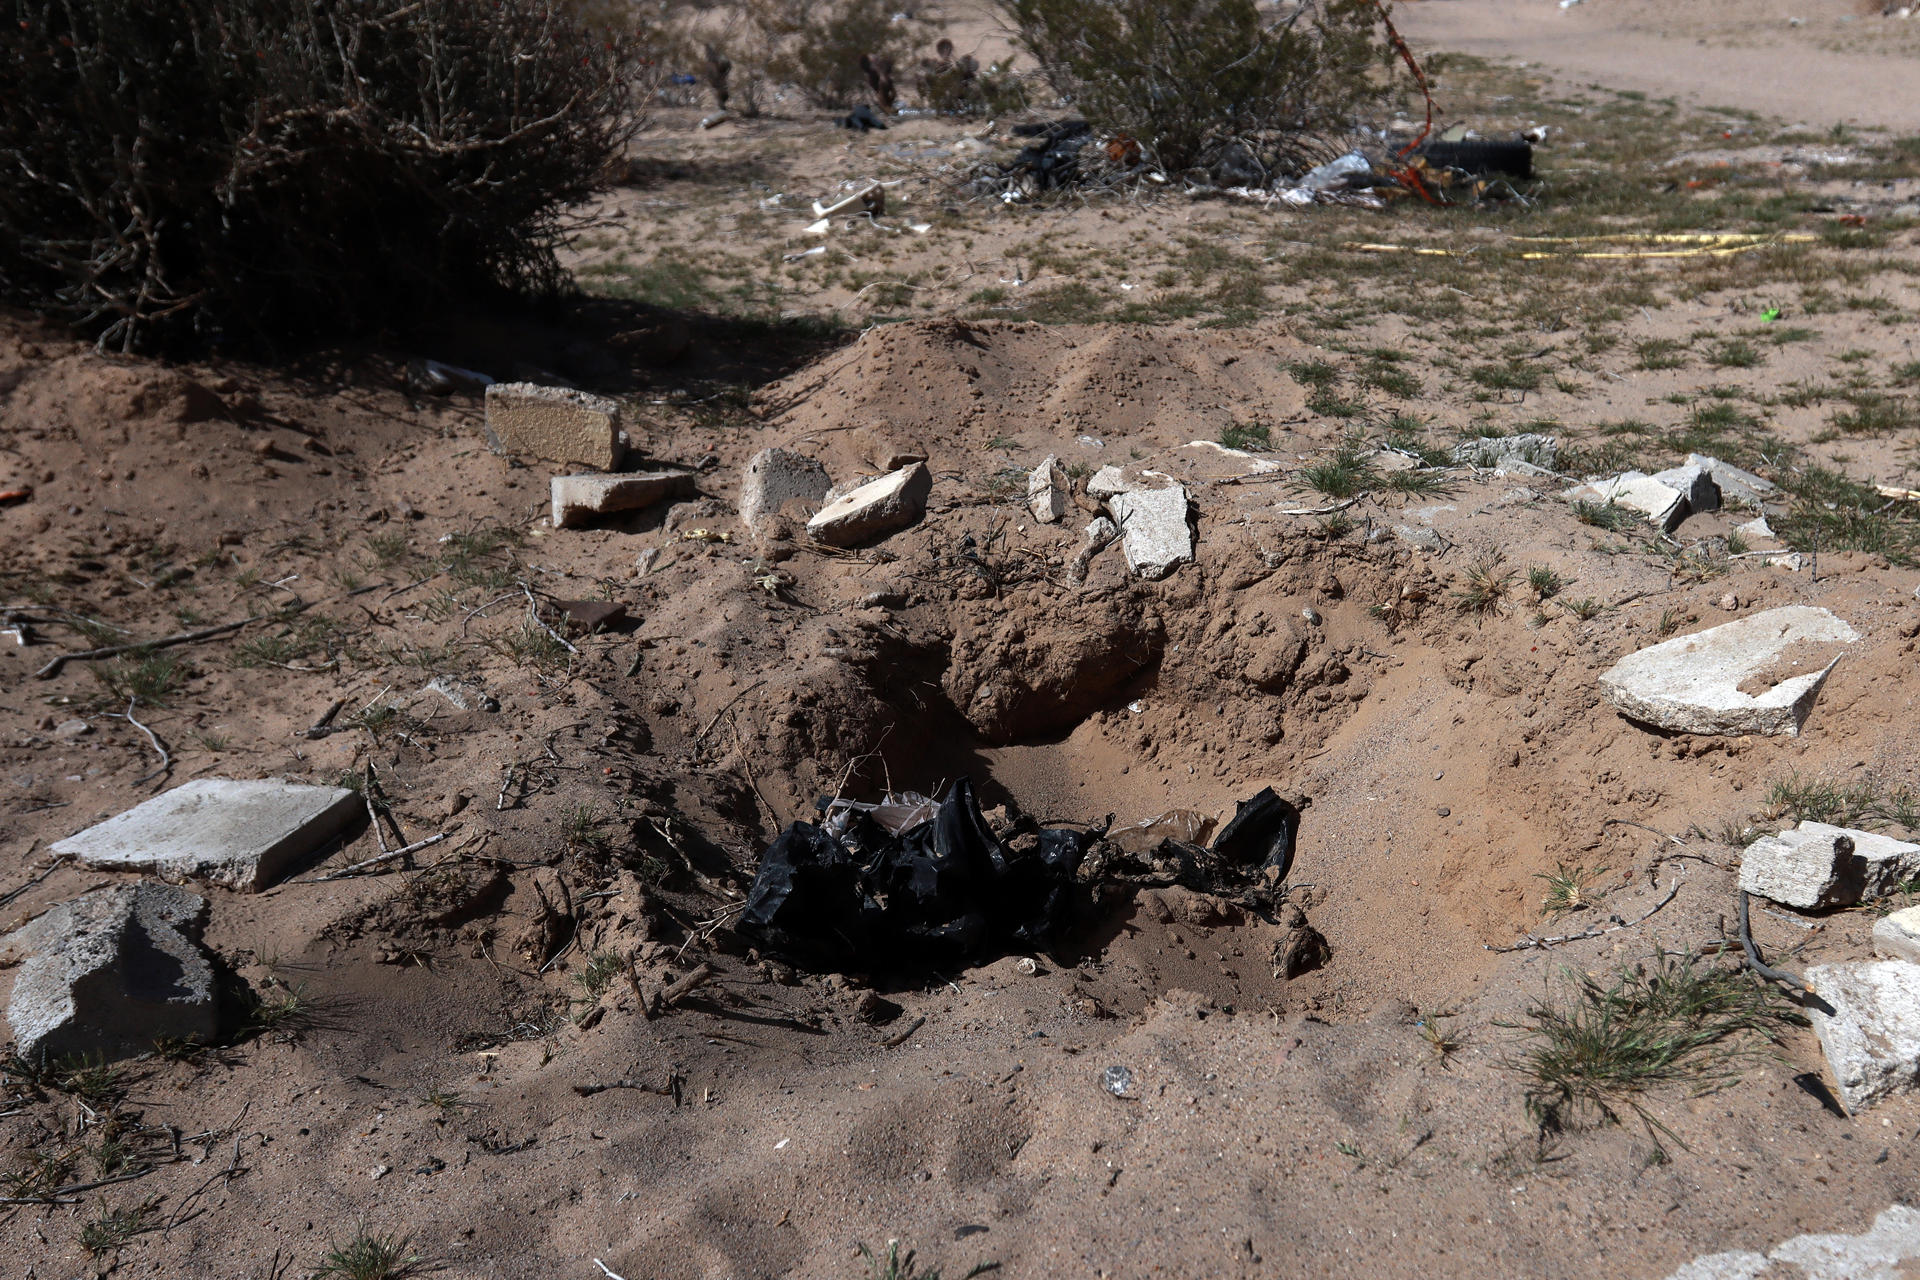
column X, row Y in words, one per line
column 870, row 886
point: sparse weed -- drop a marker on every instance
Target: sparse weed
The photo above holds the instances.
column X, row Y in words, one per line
column 1246, row 436
column 598, row 973
column 587, row 829
column 1845, row 804
column 1604, row 515
column 1546, row 583
column 112, row 1230
column 1484, row 586
column 1592, row 1049
column 1585, row 609
column 1660, row 353
column 152, row 678
column 895, row 1265
column 1346, row 474
column 1736, row 353
column 1671, row 620
column 370, row 1257
column 1569, row 888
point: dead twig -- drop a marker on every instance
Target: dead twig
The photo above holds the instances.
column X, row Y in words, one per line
column 52, row 867
column 165, row 642
column 1755, row 963
column 1536, row 944
column 702, row 735
column 683, row 987
column 533, row 613
column 166, row 761
column 900, row 1037
column 376, row 860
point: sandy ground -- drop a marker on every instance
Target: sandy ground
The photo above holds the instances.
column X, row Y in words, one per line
column 431, row 1071
column 1818, row 63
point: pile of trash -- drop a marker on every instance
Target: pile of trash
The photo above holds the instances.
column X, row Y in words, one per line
column 910, row 883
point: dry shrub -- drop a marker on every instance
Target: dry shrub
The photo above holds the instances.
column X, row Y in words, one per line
column 813, row 47
column 241, row 171
column 1202, row 81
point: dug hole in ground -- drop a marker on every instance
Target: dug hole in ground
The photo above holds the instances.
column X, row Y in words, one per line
column 541, row 1046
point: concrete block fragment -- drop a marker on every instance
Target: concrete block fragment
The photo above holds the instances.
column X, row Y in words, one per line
column 1737, row 487
column 1049, row 491
column 463, row 694
column 1661, row 504
column 579, row 500
column 775, row 477
column 556, row 424
column 1154, row 532
column 1815, row 866
column 1897, row 936
column 875, row 509
column 1694, row 684
column 1872, row 1037
column 1109, row 481
column 110, row 972
column 1694, row 484
column 1530, row 447
column 1756, row 530
column 241, row 834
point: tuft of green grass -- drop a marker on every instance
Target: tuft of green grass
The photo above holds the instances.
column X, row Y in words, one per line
column 1569, row 888
column 1545, row 582
column 111, row 1231
column 1509, row 375
column 1585, row 609
column 598, row 973
column 1484, row 586
column 895, row 1265
column 1736, row 353
column 1593, row 1049
column 481, row 558
column 1246, row 436
column 1420, row 483
column 1671, row 620
column 1604, row 515
column 1346, row 474
column 1844, row 804
column 1659, row 353
column 587, row 828
column 1317, row 374
column 152, row 678
column 282, row 1010
column 370, row 1257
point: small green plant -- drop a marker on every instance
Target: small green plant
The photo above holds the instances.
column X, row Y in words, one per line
column 481, row 558
column 1346, row 474
column 1842, row 803
column 1660, row 353
column 1671, row 620
column 1593, row 1048
column 1737, row 353
column 1569, row 888
column 1317, row 374
column 1421, row 484
column 88, row 1077
column 40, row 1174
column 152, row 678
column 370, row 1257
column 282, row 1010
column 111, row 1231
column 895, row 1265
column 1509, row 375
column 1546, row 583
column 1603, row 515
column 1443, row 1042
column 1585, row 609
column 598, row 973
column 1484, row 586
column 389, row 549
column 1246, row 436
column 587, row 828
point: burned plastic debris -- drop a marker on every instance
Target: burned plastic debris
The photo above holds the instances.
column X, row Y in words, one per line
column 888, row 885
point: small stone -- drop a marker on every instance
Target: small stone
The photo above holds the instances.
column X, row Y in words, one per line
column 110, row 972
column 875, row 509
column 242, row 835
column 1154, row 532
column 1692, row 684
column 773, row 478
column 1444, row 812
column 555, row 424
column 72, row 729
column 1872, row 1036
column 1048, row 490
column 1729, row 602
column 577, row 500
column 380, row 1171
column 1754, row 530
column 1897, row 936
column 463, row 694
column 1815, row 866
column 1425, row 539
column 1118, row 1081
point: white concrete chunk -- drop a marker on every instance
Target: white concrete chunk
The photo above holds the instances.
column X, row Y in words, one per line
column 1694, row 484
column 1255, row 465
column 776, row 477
column 1661, row 504
column 579, row 500
column 1153, row 525
column 1049, row 491
column 1693, row 684
column 556, row 424
column 1754, row 530
column 1111, row 481
column 1872, row 1037
column 1897, row 936
column 243, row 835
column 1815, row 865
column 110, row 972
column 875, row 509
column 1735, row 485
column 1539, row 450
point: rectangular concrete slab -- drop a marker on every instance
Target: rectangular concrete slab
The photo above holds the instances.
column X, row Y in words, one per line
column 244, row 835
column 558, row 424
column 1662, row 504
column 1872, row 1037
column 1692, row 684
column 579, row 500
column 1815, row 866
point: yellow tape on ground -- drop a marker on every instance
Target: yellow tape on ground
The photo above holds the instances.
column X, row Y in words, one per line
column 1703, row 245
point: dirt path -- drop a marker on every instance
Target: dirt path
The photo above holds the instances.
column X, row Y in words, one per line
column 1839, row 65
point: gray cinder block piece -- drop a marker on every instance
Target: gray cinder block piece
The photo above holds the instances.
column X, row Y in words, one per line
column 775, row 477
column 241, row 835
column 1872, row 1037
column 110, row 972
column 1691, row 684
column 1897, row 936
column 875, row 509
column 578, row 500
column 1816, row 866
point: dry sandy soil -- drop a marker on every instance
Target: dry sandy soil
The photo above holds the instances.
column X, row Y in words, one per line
column 412, row 1057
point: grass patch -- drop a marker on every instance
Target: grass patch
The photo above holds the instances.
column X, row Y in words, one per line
column 1659, row 353
column 1484, row 586
column 1593, row 1050
column 111, row 1231
column 1736, row 353
column 1569, row 888
column 895, row 1265
column 1246, row 436
column 1545, row 582
column 1347, row 474
column 370, row 1257
column 1843, row 804
column 1604, row 515
column 152, row 678
column 1508, row 375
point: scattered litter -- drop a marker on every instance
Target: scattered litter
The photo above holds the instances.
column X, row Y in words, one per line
column 1118, row 1081
column 804, row 253
column 820, row 228
column 1178, row 824
column 716, row 119
column 871, row 198
column 782, row 1144
column 432, row 377
column 1027, row 966
column 1693, row 684
column 863, row 118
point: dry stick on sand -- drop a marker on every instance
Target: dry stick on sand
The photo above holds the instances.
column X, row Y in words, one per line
column 899, row 1038
column 702, row 735
column 1533, row 944
column 52, row 867
column 702, row 973
column 376, row 860
column 166, row 761
column 533, row 613
column 165, row 642
column 1753, row 954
